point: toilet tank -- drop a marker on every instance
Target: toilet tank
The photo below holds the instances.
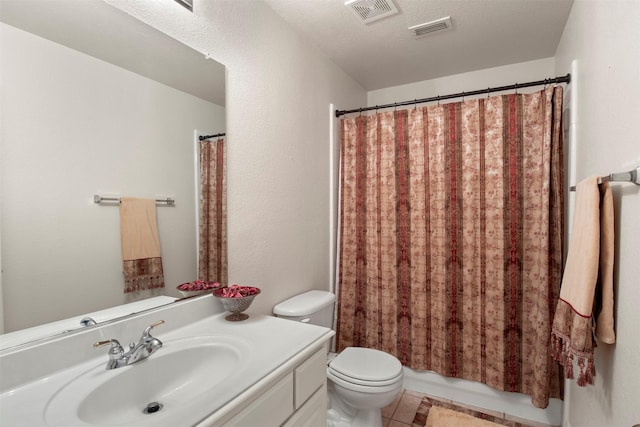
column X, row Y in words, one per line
column 315, row 307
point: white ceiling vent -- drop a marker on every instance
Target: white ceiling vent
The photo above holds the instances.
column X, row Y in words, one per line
column 186, row 3
column 372, row 10
column 431, row 27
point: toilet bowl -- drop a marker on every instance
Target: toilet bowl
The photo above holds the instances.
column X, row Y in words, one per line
column 361, row 381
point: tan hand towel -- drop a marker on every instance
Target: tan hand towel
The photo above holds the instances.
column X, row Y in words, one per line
column 587, row 260
column 142, row 263
column 604, row 293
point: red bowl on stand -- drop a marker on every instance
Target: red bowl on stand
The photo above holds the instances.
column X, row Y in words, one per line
column 197, row 287
column 236, row 299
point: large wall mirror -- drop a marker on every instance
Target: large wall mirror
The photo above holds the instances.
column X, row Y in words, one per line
column 94, row 102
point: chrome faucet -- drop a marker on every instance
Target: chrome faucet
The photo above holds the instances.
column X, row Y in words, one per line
column 145, row 347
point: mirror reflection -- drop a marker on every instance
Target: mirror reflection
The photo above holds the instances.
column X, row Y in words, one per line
column 94, row 102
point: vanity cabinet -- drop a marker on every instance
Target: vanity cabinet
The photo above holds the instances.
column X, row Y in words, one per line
column 209, row 373
column 297, row 399
column 313, row 413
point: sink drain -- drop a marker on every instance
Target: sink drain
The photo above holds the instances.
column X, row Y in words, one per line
column 152, row 407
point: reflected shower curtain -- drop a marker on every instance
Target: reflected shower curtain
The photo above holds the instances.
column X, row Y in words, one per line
column 212, row 265
column 451, row 238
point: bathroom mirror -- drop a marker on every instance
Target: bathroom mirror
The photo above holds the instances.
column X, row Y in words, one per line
column 94, row 102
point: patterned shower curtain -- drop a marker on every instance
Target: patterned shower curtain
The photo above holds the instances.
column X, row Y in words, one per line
column 451, row 238
column 212, row 265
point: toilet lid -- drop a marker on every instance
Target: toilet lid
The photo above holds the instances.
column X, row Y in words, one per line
column 365, row 365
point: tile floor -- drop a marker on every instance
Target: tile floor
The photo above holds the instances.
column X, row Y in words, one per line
column 402, row 411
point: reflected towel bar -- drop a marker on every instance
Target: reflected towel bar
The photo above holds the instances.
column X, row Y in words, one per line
column 630, row 176
column 217, row 135
column 99, row 199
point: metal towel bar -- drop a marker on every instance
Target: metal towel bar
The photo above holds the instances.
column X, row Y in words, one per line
column 99, row 199
column 632, row 176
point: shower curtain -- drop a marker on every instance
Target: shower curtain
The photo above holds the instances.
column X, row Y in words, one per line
column 451, row 238
column 212, row 265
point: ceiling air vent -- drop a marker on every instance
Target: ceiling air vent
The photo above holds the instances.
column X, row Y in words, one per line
column 186, row 3
column 431, row 27
column 372, row 10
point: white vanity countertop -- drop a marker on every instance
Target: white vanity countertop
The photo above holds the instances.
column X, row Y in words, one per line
column 270, row 344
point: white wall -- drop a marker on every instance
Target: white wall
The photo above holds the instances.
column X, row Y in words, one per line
column 603, row 38
column 278, row 95
column 74, row 126
column 491, row 77
column 1, row 288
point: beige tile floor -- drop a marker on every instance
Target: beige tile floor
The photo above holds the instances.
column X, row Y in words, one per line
column 402, row 411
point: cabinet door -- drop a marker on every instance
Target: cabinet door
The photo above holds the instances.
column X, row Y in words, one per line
column 269, row 410
column 313, row 413
column 310, row 375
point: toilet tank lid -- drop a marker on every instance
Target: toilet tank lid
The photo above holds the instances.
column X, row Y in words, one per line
column 304, row 304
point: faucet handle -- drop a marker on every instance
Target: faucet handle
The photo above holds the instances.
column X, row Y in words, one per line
column 147, row 343
column 115, row 351
column 147, row 331
column 158, row 323
column 114, row 344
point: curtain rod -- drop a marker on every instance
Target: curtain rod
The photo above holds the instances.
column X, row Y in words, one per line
column 516, row 86
column 203, row 137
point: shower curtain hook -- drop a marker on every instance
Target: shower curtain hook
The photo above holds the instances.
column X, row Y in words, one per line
column 438, row 99
column 415, row 103
column 360, row 112
column 516, row 86
column 488, row 92
column 462, row 96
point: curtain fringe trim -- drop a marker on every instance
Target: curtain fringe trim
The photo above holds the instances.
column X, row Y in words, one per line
column 563, row 353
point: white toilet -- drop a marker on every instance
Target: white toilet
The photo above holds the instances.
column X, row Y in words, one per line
column 362, row 381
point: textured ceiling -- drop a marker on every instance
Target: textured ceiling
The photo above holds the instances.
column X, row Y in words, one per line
column 484, row 34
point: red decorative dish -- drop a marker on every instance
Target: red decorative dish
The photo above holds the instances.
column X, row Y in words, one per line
column 198, row 287
column 236, row 299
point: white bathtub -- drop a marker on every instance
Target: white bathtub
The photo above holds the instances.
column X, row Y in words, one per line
column 482, row 396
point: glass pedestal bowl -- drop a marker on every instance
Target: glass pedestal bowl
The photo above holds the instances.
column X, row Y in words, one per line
column 236, row 299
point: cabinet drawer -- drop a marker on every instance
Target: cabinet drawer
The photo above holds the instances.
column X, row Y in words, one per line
column 309, row 375
column 270, row 409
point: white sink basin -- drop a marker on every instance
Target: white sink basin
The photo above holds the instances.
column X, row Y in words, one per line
column 208, row 370
column 177, row 376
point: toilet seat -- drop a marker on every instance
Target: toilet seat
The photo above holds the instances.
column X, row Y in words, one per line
column 365, row 389
column 365, row 367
